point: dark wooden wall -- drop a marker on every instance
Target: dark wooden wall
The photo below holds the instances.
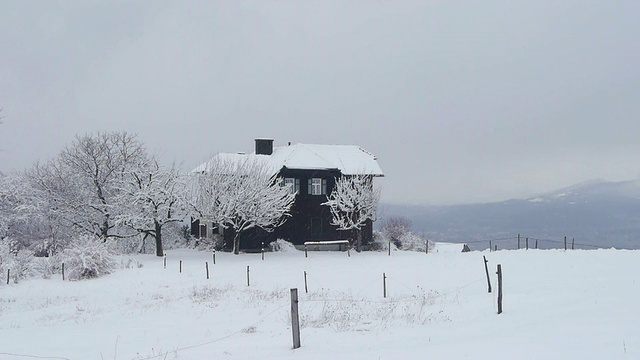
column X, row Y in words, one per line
column 309, row 220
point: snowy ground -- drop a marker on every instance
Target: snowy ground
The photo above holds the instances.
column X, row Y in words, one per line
column 557, row 305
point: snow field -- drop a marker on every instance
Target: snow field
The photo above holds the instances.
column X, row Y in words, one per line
column 557, row 305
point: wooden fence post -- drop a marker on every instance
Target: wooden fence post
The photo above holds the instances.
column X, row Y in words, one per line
column 573, row 243
column 206, row 265
column 389, row 247
column 306, row 289
column 305, row 250
column 536, row 244
column 495, row 248
column 248, row 283
column 518, row 241
column 490, row 246
column 8, row 275
column 486, row 270
column 527, row 243
column 180, row 266
column 426, row 247
column 295, row 321
column 384, row 285
column 262, row 250
column 565, row 243
column 164, row 260
column 62, row 271
column 499, row 289
column 214, row 256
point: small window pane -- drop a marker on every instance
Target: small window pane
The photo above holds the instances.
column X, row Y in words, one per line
column 316, row 186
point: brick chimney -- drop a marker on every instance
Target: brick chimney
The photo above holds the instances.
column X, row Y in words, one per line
column 264, row 146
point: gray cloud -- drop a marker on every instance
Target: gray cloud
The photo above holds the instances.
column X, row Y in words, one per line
column 461, row 101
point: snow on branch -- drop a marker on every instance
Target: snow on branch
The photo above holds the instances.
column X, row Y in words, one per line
column 241, row 196
column 353, row 201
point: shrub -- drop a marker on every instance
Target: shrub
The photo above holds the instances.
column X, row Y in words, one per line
column 394, row 228
column 381, row 242
column 88, row 258
column 407, row 241
column 20, row 262
column 130, row 264
column 282, row 246
column 411, row 242
column 207, row 244
column 47, row 266
column 6, row 256
column 23, row 265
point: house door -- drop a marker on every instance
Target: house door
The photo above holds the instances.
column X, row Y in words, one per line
column 316, row 228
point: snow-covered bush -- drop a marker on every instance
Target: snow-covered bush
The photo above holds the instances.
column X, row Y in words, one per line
column 19, row 262
column 412, row 242
column 23, row 265
column 130, row 264
column 407, row 241
column 47, row 266
column 6, row 256
column 395, row 227
column 88, row 257
column 208, row 244
column 381, row 242
column 46, row 247
column 282, row 246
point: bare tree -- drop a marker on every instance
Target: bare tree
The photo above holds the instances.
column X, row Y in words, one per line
column 153, row 197
column 242, row 196
column 353, row 202
column 81, row 185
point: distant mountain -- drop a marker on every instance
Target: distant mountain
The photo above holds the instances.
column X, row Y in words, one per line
column 595, row 213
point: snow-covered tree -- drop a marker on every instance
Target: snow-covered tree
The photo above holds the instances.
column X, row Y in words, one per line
column 209, row 189
column 241, row 196
column 81, row 185
column 27, row 213
column 353, row 202
column 153, row 197
column 8, row 203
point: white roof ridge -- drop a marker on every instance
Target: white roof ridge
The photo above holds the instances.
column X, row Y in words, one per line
column 348, row 159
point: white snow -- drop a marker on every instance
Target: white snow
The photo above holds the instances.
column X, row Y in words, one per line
column 557, row 305
column 442, row 247
column 349, row 159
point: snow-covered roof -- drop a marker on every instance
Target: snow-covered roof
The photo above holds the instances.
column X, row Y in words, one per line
column 349, row 159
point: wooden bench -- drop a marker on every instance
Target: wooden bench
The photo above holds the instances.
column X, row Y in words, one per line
column 326, row 244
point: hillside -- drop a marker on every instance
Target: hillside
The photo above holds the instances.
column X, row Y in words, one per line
column 596, row 213
column 557, row 305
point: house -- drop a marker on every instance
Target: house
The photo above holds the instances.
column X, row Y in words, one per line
column 310, row 170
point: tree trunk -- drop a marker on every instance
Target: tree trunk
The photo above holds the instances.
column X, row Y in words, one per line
column 359, row 241
column 104, row 231
column 236, row 243
column 159, row 250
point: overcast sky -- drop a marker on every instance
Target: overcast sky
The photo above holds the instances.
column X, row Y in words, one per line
column 462, row 101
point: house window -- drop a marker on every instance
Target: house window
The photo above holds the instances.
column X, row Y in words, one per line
column 317, row 186
column 292, row 184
